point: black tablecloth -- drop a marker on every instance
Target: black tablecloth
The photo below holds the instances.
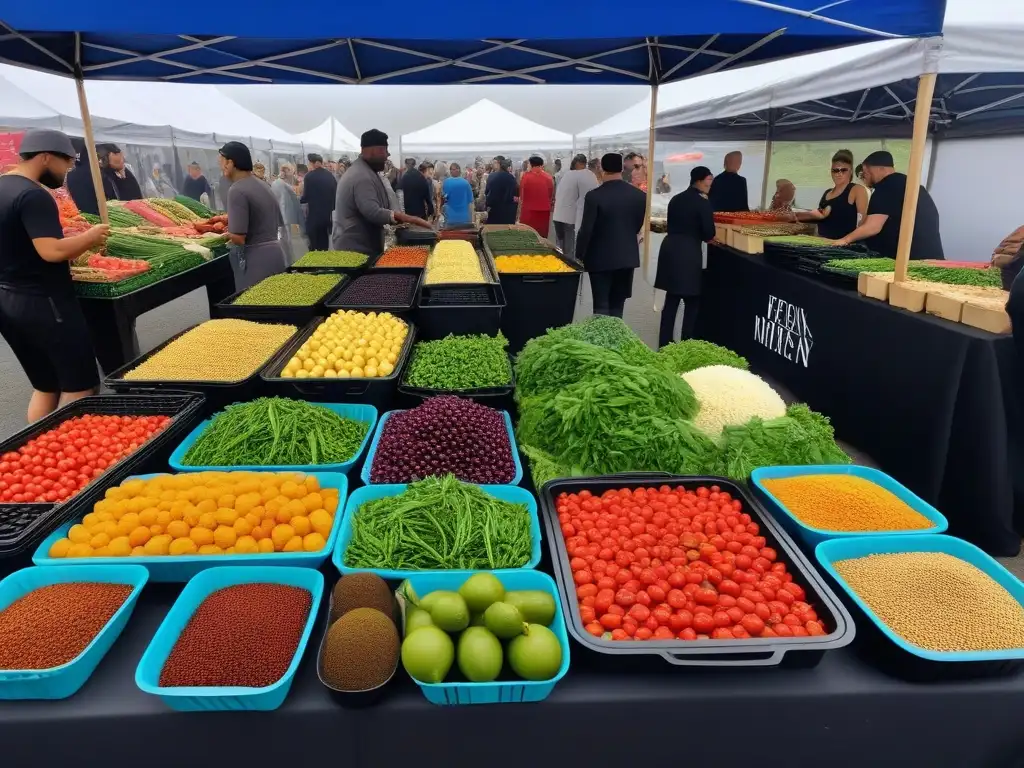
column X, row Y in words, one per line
column 935, row 403
column 840, row 713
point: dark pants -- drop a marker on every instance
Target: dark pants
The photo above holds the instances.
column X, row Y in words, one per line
column 610, row 290
column 668, row 317
column 319, row 235
column 566, row 234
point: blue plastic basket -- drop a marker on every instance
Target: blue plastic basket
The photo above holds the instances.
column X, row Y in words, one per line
column 364, row 413
column 183, row 567
column 367, row 493
column 835, row 550
column 504, row 691
column 810, row 536
column 368, row 464
column 213, row 698
column 65, row 680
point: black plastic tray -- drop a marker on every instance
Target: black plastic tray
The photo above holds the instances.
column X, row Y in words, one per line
column 218, row 393
column 500, row 398
column 345, row 270
column 22, row 526
column 755, row 652
column 337, row 299
column 379, row 392
column 288, row 314
column 460, row 310
column 349, row 699
column 415, row 236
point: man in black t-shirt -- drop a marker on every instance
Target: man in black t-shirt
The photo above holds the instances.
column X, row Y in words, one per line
column 880, row 229
column 39, row 315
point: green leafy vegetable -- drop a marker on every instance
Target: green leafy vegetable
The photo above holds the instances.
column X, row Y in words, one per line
column 982, row 276
column 440, row 524
column 457, row 363
column 685, row 356
column 550, row 363
column 288, row 289
column 611, row 333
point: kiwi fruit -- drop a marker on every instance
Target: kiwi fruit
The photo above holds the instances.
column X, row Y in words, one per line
column 361, row 590
column 360, row 651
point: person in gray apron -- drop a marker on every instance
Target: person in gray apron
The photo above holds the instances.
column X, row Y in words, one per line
column 253, row 220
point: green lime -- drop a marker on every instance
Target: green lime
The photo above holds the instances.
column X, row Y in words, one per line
column 537, row 655
column 427, row 654
column 504, row 620
column 480, row 590
column 479, row 655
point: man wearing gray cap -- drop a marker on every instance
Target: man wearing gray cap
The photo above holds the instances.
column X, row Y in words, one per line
column 39, row 315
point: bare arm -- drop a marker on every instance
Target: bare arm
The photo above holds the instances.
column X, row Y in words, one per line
column 860, row 199
column 56, row 249
column 872, row 226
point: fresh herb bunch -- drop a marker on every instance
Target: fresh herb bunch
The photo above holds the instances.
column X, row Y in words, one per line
column 276, row 431
column 440, row 524
column 687, row 355
column 457, row 363
column 611, row 333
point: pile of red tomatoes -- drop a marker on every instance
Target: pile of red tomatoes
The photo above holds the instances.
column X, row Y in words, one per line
column 670, row 563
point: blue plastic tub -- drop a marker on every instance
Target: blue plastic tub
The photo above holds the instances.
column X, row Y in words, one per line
column 811, row 537
column 65, row 680
column 183, row 567
column 368, row 464
column 499, row 691
column 365, row 413
column 983, row 662
column 371, row 492
column 211, row 699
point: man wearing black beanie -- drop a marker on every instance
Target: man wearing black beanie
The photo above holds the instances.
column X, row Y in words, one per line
column 608, row 243
column 880, row 230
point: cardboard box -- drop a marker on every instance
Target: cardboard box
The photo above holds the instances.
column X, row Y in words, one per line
column 986, row 316
column 874, row 285
column 947, row 306
column 909, row 296
column 747, row 243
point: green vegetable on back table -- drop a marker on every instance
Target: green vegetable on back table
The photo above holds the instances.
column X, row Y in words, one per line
column 685, row 356
column 936, row 274
column 332, row 259
column 440, row 524
column 276, row 431
column 288, row 289
column 460, row 363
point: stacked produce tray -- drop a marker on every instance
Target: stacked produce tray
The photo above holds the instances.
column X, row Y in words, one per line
column 752, row 652
column 402, row 301
column 415, row 236
column 290, row 314
column 462, row 309
column 297, row 267
column 22, row 525
column 378, row 392
column 806, row 254
column 494, row 397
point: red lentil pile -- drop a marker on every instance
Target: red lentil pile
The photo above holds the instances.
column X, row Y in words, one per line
column 245, row 635
column 52, row 625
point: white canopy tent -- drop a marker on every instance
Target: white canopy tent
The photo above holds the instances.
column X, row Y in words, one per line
column 331, row 136
column 485, row 127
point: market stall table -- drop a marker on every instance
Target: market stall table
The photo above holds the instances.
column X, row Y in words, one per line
column 843, row 713
column 112, row 321
column 935, row 403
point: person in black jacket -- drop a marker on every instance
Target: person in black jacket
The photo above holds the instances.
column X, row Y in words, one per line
column 418, row 191
column 680, row 261
column 729, row 190
column 119, row 183
column 196, row 184
column 608, row 243
column 500, row 193
column 319, row 188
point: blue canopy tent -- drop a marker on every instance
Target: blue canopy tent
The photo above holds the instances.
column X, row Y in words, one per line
column 604, row 44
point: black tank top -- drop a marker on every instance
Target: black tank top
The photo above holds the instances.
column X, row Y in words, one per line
column 842, row 219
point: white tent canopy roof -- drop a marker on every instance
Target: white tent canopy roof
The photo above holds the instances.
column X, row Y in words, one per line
column 344, row 139
column 485, row 125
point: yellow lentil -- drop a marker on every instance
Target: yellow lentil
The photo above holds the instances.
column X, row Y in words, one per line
column 937, row 601
column 522, row 263
column 844, row 503
column 217, row 350
column 453, row 261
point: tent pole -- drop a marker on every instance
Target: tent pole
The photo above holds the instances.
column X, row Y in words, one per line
column 398, row 165
column 931, row 163
column 769, row 144
column 922, row 114
column 332, row 138
column 90, row 148
column 573, row 148
column 650, row 178
column 590, row 149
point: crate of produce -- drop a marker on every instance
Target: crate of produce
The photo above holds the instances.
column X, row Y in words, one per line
column 468, row 309
column 502, row 460
column 219, row 358
column 721, row 622
column 477, row 367
column 393, row 289
column 504, row 528
column 294, row 298
column 403, row 256
column 334, row 261
column 538, row 296
column 457, row 263
column 521, row 665
column 815, row 503
column 170, row 561
column 278, row 434
column 378, row 391
column 65, row 621
column 24, row 523
column 930, row 607
column 514, row 241
column 407, row 235
column 228, row 612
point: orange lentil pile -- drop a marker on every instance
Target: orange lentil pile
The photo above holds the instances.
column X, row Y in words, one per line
column 245, row 635
column 52, row 625
column 403, row 256
column 844, row 503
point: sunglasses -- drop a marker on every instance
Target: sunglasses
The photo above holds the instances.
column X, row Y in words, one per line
column 840, row 170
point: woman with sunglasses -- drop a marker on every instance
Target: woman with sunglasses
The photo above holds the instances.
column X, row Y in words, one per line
column 842, row 207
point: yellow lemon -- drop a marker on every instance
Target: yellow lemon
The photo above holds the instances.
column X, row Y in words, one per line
column 60, row 548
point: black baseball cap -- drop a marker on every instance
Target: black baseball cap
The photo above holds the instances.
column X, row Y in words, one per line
column 880, row 159
column 38, row 140
column 373, row 138
column 239, row 154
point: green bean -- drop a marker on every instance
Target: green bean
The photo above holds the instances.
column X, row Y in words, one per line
column 276, row 431
column 440, row 524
